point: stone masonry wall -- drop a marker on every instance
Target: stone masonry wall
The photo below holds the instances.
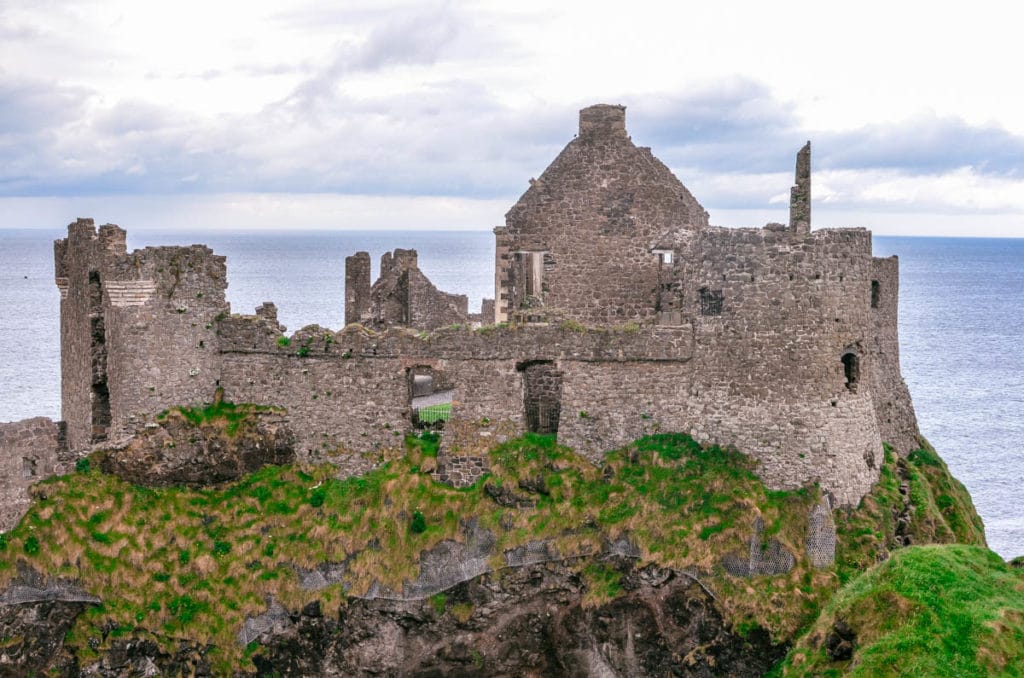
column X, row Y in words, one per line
column 161, row 305
column 351, row 390
column 594, row 216
column 78, row 263
column 402, row 295
column 30, row 452
column 768, row 370
column 893, row 407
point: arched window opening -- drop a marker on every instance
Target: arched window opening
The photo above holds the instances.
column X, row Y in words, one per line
column 851, row 370
column 875, row 290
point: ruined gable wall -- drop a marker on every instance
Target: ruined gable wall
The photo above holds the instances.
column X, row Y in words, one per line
column 597, row 210
column 430, row 308
column 894, row 409
column 402, row 295
column 161, row 304
column 29, row 452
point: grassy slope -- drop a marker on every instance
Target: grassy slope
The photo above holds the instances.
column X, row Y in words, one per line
column 194, row 563
column 950, row 610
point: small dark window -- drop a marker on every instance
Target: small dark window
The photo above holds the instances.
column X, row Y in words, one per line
column 711, row 301
column 542, row 396
column 851, row 370
column 28, row 467
column 874, row 293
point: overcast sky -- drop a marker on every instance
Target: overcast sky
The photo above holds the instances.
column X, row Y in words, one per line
column 376, row 114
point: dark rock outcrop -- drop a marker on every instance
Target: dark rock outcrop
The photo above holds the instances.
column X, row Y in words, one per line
column 527, row 621
column 143, row 657
column 35, row 614
column 174, row 451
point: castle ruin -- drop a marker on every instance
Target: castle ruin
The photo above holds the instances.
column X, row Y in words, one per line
column 618, row 312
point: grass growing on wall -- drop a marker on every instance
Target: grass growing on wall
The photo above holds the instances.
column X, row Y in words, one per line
column 222, row 412
column 173, row 563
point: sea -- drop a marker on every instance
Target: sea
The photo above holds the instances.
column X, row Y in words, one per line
column 961, row 329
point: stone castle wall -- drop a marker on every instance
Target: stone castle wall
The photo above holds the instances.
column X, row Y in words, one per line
column 161, row 336
column 893, row 408
column 402, row 295
column 579, row 240
column 33, row 449
column 137, row 330
column 630, row 315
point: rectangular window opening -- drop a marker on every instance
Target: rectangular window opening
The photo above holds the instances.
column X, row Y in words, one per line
column 712, row 302
column 430, row 398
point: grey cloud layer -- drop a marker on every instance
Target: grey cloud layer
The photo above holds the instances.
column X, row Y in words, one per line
column 454, row 138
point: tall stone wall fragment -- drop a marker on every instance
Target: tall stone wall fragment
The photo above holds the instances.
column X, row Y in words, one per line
column 800, row 194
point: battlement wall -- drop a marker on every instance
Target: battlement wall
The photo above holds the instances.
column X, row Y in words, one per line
column 352, row 390
column 361, row 379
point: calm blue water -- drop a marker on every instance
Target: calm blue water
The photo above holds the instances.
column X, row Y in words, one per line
column 961, row 330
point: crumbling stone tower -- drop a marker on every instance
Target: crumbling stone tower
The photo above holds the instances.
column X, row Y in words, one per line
column 137, row 330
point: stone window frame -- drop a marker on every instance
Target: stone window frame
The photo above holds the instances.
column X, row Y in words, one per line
column 665, row 257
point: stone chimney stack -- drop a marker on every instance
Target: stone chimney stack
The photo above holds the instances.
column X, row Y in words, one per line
column 603, row 119
column 800, row 195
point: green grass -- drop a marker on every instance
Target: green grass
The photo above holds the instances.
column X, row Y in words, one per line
column 951, row 610
column 178, row 562
column 223, row 413
column 943, row 512
column 435, row 413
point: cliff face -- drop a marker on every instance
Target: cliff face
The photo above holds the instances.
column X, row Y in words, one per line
column 530, row 621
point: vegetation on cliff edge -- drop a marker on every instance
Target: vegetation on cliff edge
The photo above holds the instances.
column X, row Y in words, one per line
column 177, row 563
column 949, row 610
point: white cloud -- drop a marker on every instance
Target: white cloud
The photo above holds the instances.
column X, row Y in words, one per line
column 468, row 100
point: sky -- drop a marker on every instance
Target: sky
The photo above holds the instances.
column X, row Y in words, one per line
column 400, row 115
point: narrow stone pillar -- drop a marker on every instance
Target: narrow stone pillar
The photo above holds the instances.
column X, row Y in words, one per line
column 357, row 286
column 800, row 194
